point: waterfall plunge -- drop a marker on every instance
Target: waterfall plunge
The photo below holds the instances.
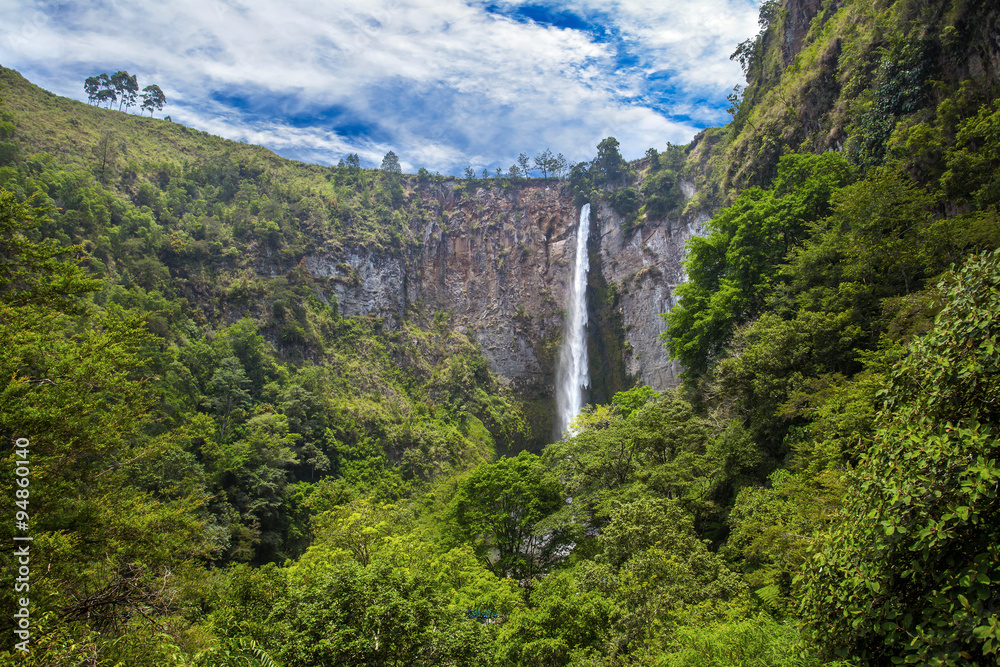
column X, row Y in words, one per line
column 573, row 374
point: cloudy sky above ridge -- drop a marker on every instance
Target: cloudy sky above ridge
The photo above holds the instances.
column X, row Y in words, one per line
column 442, row 83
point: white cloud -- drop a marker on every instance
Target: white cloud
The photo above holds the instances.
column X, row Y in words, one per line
column 442, row 83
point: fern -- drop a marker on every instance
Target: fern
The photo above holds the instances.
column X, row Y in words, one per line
column 240, row 653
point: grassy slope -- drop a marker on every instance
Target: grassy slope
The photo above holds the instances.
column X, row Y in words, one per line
column 69, row 130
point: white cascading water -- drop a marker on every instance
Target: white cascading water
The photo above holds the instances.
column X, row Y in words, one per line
column 573, row 374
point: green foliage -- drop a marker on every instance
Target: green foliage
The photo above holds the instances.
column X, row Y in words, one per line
column 410, row 603
column 661, row 189
column 497, row 509
column 734, row 270
column 548, row 164
column 664, row 569
column 609, row 166
column 776, row 359
column 899, row 88
column 73, row 391
column 972, row 163
column 207, row 404
column 566, row 617
column 356, row 528
column 646, row 444
column 153, row 98
column 773, row 528
column 392, row 175
column 627, row 402
column 33, row 272
column 607, row 171
column 888, row 215
column 909, row 573
column 191, row 410
column 350, row 615
column 626, row 203
column 740, row 636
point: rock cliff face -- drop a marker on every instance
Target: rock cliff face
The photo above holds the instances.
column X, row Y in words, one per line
column 645, row 266
column 799, row 14
column 499, row 261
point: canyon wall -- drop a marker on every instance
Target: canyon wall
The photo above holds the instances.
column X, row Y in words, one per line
column 644, row 265
column 498, row 261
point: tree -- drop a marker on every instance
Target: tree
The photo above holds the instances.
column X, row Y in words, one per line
column 609, row 165
column 92, row 87
column 661, row 190
column 750, row 52
column 73, row 389
column 228, row 393
column 566, row 616
column 358, row 528
column 340, row 613
column 559, row 165
column 661, row 566
column 735, row 99
column 645, row 443
column 543, row 162
column 524, row 164
column 106, row 92
column 497, row 509
column 390, row 165
column 886, row 213
column 126, row 87
column 253, row 472
column 734, row 269
column 33, row 272
column 654, row 159
column 550, row 165
column 106, row 152
column 392, row 176
column 153, row 97
column 910, row 575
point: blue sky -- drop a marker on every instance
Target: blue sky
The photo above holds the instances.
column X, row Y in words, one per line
column 442, row 83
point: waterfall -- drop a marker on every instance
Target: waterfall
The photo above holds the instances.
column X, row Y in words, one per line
column 573, row 374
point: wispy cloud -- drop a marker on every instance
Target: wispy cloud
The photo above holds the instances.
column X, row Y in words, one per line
column 442, row 83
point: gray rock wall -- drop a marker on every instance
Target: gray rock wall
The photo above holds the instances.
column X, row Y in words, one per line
column 499, row 262
column 645, row 264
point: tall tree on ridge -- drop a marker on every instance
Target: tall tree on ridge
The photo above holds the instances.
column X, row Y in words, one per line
column 390, row 165
column 153, row 97
column 92, row 87
column 107, row 90
column 559, row 165
column 522, row 162
column 543, row 162
column 126, row 86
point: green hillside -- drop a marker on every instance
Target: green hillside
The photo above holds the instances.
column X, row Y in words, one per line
column 222, row 469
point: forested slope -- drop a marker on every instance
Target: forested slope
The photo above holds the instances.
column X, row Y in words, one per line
column 225, row 470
